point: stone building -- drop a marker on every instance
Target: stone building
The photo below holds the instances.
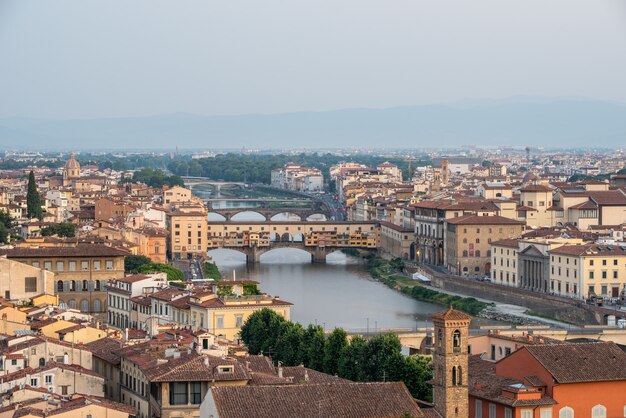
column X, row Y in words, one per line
column 71, row 171
column 468, row 239
column 21, row 281
column 81, row 271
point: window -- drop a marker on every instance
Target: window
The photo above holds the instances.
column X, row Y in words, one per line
column 64, row 390
column 566, row 412
column 84, row 265
column 479, row 408
column 604, row 274
column 30, row 284
column 48, row 379
column 109, row 265
column 60, row 265
column 615, row 262
column 196, row 393
column 526, row 413
column 36, row 264
column 178, row 393
column 598, row 411
column 96, row 265
column 492, row 410
column 47, row 265
column 219, row 321
column 508, row 413
column 238, row 321
column 615, row 274
column 545, row 413
column 591, row 264
column 591, row 274
column 72, row 266
column 604, row 262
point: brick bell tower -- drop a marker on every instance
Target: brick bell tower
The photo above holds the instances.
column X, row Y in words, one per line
column 450, row 363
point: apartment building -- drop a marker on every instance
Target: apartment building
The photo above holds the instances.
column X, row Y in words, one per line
column 468, row 239
column 188, row 232
column 120, row 293
column 298, row 178
column 81, row 271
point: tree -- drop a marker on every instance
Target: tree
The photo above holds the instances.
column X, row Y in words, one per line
column 173, row 274
column 289, row 344
column 260, row 331
column 352, row 359
column 336, row 342
column 314, row 343
column 132, row 263
column 33, row 199
column 63, row 229
column 419, row 371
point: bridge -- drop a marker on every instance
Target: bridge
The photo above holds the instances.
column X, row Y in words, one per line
column 268, row 208
column 317, row 238
column 191, row 182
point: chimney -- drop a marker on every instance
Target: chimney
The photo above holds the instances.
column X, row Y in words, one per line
column 477, row 386
column 206, row 361
column 306, row 375
column 126, row 334
column 280, row 371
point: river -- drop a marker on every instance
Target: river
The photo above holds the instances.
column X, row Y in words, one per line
column 340, row 293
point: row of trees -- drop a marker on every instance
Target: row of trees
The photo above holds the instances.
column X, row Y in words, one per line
column 257, row 168
column 140, row 264
column 363, row 360
column 157, row 178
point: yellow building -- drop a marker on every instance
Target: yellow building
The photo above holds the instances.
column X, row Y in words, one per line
column 81, row 271
column 468, row 239
column 224, row 312
column 175, row 196
column 581, row 271
column 12, row 319
column 187, row 228
column 21, row 281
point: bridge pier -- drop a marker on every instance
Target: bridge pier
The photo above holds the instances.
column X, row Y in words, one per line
column 253, row 256
column 318, row 255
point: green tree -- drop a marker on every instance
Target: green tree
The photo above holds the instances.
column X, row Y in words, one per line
column 132, row 263
column 418, row 371
column 260, row 331
column 381, row 353
column 314, row 344
column 352, row 359
column 173, row 274
column 335, row 344
column 33, row 199
column 4, row 234
column 63, row 229
column 290, row 344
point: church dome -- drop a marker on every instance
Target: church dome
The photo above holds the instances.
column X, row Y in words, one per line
column 72, row 164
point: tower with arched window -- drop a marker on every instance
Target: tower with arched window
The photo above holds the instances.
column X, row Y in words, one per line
column 450, row 363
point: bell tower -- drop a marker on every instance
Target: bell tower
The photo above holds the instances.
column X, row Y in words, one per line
column 450, row 364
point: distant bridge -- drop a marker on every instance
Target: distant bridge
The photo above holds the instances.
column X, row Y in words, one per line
column 317, row 238
column 191, row 182
column 268, row 208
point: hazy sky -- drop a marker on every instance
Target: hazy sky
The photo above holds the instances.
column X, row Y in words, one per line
column 83, row 59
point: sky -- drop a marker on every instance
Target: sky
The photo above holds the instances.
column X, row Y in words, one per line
column 66, row 59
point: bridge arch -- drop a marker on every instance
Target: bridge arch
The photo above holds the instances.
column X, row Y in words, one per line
column 247, row 212
column 290, row 216
column 217, row 217
column 317, row 216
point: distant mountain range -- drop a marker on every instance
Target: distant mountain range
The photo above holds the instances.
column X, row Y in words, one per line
column 562, row 122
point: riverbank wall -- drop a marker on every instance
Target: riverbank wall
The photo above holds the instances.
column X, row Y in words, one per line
column 574, row 312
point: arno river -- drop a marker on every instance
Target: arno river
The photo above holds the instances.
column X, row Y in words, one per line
column 340, row 293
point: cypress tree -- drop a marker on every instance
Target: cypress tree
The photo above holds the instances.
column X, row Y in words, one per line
column 33, row 200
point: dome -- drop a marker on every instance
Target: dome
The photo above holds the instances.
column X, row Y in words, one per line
column 72, row 164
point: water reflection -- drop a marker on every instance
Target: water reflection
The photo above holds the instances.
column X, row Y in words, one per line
column 339, row 293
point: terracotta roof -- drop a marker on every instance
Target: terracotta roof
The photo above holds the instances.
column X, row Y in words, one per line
column 588, row 204
column 591, row 250
column 608, row 197
column 536, row 188
column 526, row 209
column 451, row 314
column 194, row 367
column 85, row 250
column 484, row 383
column 506, row 243
column 104, row 348
column 483, row 220
column 595, row 362
column 374, row 399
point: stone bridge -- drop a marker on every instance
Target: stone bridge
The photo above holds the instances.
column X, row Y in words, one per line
column 271, row 207
column 281, row 234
